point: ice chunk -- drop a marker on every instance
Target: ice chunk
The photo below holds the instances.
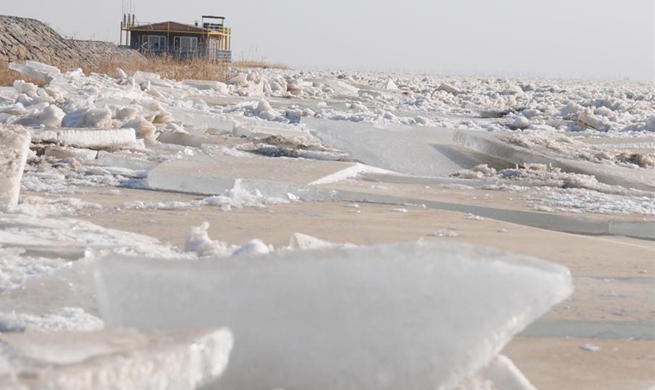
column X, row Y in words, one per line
column 89, row 117
column 272, row 177
column 520, row 122
column 303, row 241
column 124, row 161
column 253, row 247
column 67, row 152
column 49, row 116
column 36, row 70
column 186, row 139
column 201, row 120
column 15, row 144
column 144, row 129
column 391, row 86
column 588, row 119
column 206, row 84
column 419, row 316
column 448, row 88
column 87, row 138
column 119, row 359
column 51, row 70
column 417, row 150
column 241, row 79
column 198, row 241
column 499, row 147
column 26, row 88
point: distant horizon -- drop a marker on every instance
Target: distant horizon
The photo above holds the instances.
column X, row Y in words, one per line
column 582, row 39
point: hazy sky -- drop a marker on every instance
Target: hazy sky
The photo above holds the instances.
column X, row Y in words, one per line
column 567, row 38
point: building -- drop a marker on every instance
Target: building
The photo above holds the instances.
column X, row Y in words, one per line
column 209, row 39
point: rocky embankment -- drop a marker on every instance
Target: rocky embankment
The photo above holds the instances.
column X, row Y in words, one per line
column 28, row 39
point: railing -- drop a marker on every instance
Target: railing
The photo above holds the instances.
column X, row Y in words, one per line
column 177, row 53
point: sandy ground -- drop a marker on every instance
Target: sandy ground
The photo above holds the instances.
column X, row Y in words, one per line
column 614, row 276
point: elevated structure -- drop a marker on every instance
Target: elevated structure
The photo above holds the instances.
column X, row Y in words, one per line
column 208, row 39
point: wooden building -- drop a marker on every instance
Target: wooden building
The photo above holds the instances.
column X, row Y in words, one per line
column 209, row 39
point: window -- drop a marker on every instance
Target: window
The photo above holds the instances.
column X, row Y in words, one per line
column 188, row 44
column 154, row 42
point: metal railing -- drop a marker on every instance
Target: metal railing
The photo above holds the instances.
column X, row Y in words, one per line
column 185, row 54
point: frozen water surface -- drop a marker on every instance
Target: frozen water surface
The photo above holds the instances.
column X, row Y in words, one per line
column 419, row 316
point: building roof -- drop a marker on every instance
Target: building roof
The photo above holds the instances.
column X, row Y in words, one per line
column 169, row 26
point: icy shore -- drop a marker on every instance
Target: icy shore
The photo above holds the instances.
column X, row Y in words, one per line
column 569, row 156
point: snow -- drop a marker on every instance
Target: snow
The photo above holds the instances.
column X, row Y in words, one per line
column 311, row 305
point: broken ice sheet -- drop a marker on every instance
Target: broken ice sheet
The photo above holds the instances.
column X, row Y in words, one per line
column 118, row 359
column 419, row 316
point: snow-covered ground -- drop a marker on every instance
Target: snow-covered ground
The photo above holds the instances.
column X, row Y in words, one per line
column 270, row 137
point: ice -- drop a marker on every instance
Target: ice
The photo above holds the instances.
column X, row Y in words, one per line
column 49, row 116
column 499, row 374
column 420, row 316
column 206, row 84
column 118, row 359
column 588, row 119
column 64, row 319
column 448, row 88
column 88, row 117
column 144, row 130
column 202, row 120
column 26, row 88
column 15, row 145
column 36, row 70
column 186, row 139
column 122, row 160
column 68, row 152
column 253, row 247
column 404, row 149
column 240, row 79
column 391, row 85
column 87, row 138
column 198, row 241
column 272, row 177
column 301, row 241
column 502, row 148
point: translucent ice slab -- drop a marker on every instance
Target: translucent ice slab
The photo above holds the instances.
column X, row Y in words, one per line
column 414, row 150
column 118, row 359
column 36, row 70
column 407, row 316
column 272, row 177
column 15, row 144
column 88, row 138
column 497, row 146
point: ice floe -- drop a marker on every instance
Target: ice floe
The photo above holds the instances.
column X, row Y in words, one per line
column 336, row 313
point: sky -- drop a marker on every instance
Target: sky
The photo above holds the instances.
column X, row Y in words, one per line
column 596, row 39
